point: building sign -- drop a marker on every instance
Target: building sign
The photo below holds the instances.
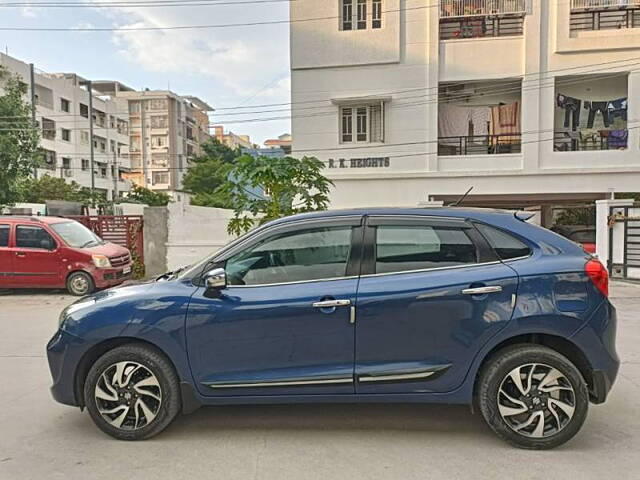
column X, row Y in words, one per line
column 371, row 162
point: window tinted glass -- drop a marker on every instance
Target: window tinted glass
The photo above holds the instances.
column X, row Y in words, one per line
column 312, row 254
column 405, row 248
column 4, row 235
column 505, row 245
column 33, row 237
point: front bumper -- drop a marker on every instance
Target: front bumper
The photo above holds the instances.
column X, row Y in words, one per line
column 64, row 352
column 109, row 277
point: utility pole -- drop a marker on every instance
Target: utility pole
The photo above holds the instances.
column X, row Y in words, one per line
column 91, row 148
column 34, row 124
column 115, row 177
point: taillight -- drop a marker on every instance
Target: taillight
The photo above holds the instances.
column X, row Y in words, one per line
column 598, row 275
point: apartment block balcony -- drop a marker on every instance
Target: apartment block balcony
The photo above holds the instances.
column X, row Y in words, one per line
column 589, row 15
column 481, row 18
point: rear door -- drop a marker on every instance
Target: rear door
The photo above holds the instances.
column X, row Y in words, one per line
column 36, row 260
column 7, row 278
column 431, row 294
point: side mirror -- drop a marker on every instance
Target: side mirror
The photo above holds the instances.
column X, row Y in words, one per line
column 215, row 279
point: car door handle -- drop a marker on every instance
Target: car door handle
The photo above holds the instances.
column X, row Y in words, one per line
column 482, row 290
column 20, row 254
column 332, row 303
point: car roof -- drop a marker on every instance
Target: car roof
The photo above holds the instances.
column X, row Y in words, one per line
column 456, row 212
column 33, row 219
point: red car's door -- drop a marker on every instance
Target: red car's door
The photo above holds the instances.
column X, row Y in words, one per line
column 37, row 260
column 7, row 277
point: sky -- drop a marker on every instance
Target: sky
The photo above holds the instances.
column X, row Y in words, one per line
column 226, row 67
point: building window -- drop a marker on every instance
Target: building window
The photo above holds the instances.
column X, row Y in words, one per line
column 158, row 141
column 159, row 121
column 65, row 105
column 66, row 164
column 376, row 14
column 84, row 137
column 49, row 160
column 367, row 121
column 84, row 164
column 160, row 178
column 362, row 15
column 158, row 104
column 66, row 134
column 84, row 110
column 347, row 15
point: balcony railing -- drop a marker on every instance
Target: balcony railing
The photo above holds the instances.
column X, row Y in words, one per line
column 585, row 20
column 480, row 145
column 475, row 8
column 599, row 4
column 578, row 142
column 478, row 27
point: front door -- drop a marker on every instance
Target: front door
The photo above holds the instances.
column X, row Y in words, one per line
column 36, row 259
column 433, row 294
column 283, row 325
column 7, row 278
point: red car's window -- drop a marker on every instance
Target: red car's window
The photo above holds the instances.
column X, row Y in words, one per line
column 4, row 235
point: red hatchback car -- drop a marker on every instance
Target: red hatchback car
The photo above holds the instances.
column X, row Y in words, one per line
column 52, row 252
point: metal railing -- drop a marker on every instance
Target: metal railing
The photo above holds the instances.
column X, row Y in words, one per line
column 478, row 27
column 480, row 145
column 585, row 4
column 575, row 142
column 474, row 8
column 605, row 19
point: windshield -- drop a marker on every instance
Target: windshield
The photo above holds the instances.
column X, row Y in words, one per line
column 76, row 235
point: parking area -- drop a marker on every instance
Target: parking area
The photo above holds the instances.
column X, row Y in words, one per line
column 40, row 439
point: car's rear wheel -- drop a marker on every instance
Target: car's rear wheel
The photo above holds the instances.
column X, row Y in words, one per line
column 132, row 392
column 532, row 396
column 80, row 284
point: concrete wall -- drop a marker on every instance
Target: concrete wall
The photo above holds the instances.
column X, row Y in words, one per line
column 155, row 240
column 194, row 232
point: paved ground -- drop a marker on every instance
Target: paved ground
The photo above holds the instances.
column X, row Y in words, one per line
column 40, row 439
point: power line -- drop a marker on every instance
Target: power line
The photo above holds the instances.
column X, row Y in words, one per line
column 137, row 4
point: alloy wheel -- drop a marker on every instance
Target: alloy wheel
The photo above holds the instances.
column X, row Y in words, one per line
column 80, row 284
column 128, row 395
column 536, row 400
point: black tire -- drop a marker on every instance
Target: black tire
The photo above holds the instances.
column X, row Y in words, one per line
column 80, row 284
column 498, row 368
column 156, row 363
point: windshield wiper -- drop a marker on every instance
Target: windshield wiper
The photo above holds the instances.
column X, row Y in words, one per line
column 86, row 244
column 172, row 274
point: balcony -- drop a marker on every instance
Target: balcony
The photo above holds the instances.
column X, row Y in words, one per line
column 590, row 15
column 481, row 18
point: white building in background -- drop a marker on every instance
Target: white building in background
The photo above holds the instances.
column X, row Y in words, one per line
column 62, row 113
column 531, row 102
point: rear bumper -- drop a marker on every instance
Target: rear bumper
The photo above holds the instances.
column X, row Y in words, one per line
column 597, row 340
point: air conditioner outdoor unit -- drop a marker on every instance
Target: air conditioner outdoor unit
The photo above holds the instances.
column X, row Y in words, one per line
column 68, row 172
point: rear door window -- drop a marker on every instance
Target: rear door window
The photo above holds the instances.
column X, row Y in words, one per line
column 4, row 235
column 506, row 246
column 33, row 237
column 402, row 248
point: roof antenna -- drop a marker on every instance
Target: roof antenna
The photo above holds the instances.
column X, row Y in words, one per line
column 462, row 198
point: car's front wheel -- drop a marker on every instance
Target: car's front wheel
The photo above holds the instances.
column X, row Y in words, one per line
column 80, row 284
column 532, row 396
column 132, row 392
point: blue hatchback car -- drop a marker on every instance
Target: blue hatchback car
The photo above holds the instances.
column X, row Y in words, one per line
column 448, row 305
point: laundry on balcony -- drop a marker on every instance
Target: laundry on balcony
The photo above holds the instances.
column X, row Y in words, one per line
column 590, row 124
column 478, row 129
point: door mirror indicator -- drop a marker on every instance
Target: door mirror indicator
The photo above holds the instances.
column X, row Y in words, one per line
column 215, row 279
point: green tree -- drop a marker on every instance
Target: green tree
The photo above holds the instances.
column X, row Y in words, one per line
column 19, row 139
column 148, row 197
column 208, row 173
column 261, row 189
column 48, row 188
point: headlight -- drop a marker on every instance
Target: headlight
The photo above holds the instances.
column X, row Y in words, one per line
column 101, row 261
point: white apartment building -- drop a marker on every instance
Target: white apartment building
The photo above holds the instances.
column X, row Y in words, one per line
column 62, row 114
column 166, row 130
column 531, row 102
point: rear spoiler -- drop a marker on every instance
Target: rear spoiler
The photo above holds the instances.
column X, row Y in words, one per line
column 524, row 216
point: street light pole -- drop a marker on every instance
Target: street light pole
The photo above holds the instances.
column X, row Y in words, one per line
column 34, row 124
column 91, row 148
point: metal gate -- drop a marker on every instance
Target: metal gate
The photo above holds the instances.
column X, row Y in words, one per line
column 624, row 242
column 125, row 230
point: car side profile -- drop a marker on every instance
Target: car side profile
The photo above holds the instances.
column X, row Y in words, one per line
column 447, row 305
column 56, row 252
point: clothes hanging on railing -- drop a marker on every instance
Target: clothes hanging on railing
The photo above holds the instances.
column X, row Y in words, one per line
column 455, row 121
column 505, row 121
column 618, row 108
